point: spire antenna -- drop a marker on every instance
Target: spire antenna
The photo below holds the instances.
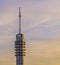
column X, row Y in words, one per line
column 19, row 20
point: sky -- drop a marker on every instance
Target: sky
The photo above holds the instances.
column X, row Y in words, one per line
column 40, row 26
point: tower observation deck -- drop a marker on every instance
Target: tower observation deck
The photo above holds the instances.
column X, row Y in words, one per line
column 19, row 45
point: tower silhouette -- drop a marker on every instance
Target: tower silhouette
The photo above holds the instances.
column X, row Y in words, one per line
column 19, row 45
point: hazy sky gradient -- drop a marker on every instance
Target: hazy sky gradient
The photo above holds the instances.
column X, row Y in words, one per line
column 41, row 28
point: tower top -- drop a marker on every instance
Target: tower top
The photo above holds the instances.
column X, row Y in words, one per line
column 19, row 20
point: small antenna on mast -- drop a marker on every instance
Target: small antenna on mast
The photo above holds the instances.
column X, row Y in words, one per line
column 19, row 20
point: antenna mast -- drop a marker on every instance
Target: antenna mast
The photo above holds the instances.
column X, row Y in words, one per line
column 19, row 21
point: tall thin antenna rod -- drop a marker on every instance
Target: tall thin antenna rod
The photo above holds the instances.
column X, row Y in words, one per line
column 19, row 21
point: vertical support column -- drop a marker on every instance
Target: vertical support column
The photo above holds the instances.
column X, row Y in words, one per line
column 20, row 49
column 19, row 60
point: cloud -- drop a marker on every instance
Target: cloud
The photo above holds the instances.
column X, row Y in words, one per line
column 47, row 49
column 40, row 25
column 43, row 52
